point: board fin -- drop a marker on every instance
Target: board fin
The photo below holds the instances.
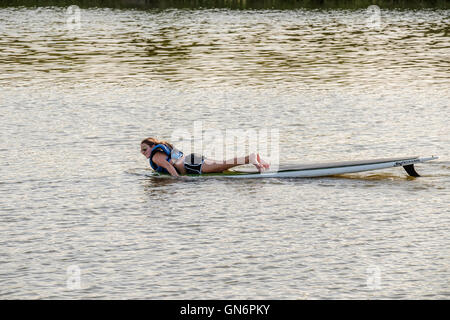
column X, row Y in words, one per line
column 411, row 171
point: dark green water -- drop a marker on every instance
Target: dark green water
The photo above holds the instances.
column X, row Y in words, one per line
column 237, row 4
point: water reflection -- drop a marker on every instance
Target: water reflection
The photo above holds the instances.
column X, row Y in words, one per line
column 237, row 4
column 297, row 48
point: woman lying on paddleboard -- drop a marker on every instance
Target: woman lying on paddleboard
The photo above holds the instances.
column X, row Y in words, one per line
column 165, row 158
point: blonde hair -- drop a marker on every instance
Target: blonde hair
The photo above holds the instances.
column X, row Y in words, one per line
column 152, row 141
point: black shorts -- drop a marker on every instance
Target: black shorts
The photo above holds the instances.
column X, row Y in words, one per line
column 193, row 163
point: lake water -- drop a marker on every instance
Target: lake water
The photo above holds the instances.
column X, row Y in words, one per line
column 82, row 217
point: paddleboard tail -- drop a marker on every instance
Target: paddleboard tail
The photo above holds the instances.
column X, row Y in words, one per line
column 408, row 165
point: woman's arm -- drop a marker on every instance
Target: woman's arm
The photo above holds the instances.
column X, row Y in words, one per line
column 161, row 160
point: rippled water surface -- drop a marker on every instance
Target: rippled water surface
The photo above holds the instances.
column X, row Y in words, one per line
column 83, row 217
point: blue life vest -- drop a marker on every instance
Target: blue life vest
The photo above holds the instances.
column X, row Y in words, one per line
column 175, row 154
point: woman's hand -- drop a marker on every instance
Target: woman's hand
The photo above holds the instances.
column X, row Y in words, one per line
column 160, row 159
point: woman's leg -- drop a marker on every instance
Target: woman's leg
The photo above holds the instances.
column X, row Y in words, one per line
column 210, row 166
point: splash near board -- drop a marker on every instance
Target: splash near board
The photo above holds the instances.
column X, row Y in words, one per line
column 322, row 169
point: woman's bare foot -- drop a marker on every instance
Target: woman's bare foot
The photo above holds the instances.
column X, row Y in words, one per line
column 256, row 160
column 262, row 162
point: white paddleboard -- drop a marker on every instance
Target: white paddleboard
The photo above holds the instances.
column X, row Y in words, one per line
column 331, row 168
column 321, row 169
